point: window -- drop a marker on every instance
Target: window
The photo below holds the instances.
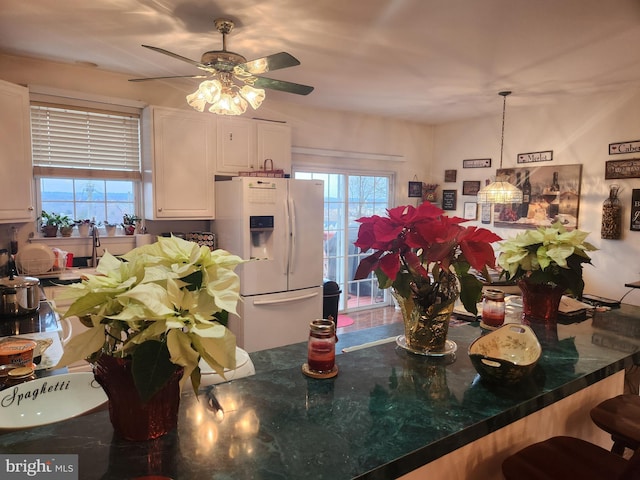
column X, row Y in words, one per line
column 347, row 197
column 86, row 162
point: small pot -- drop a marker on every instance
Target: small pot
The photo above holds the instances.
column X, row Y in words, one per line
column 19, row 295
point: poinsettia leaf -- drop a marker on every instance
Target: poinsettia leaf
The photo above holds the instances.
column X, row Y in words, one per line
column 367, row 265
column 151, row 368
column 470, row 292
column 82, row 346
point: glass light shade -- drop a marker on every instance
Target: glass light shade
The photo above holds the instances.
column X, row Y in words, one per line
column 254, row 96
column 500, row 192
column 261, row 65
column 197, row 101
column 230, row 103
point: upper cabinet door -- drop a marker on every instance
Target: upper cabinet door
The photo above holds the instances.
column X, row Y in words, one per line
column 236, row 145
column 179, row 164
column 273, row 141
column 16, row 180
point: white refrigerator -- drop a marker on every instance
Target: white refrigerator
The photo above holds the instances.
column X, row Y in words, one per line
column 277, row 225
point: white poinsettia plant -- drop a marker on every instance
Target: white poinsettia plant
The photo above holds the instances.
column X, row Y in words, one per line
column 164, row 305
column 547, row 255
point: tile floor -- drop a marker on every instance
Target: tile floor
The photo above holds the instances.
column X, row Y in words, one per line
column 371, row 318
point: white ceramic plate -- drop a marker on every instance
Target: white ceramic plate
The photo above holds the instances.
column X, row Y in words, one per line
column 35, row 259
column 49, row 400
column 244, row 368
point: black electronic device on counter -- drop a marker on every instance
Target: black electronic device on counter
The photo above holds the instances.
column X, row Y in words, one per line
column 598, row 301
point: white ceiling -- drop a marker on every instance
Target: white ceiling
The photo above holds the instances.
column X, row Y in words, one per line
column 423, row 60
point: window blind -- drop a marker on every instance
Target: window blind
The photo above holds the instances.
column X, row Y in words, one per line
column 84, row 142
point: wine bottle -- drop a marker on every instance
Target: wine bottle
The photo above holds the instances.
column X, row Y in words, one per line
column 554, row 205
column 526, row 195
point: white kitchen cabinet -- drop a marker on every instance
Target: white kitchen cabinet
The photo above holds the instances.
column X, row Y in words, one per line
column 16, row 183
column 273, row 140
column 179, row 161
column 244, row 145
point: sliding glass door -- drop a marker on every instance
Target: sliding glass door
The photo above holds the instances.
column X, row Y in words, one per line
column 347, row 197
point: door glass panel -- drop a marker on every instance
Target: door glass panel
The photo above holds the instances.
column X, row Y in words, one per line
column 348, row 197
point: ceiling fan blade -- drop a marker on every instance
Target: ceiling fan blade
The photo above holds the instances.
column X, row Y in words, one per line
column 262, row 82
column 164, row 78
column 179, row 57
column 269, row 63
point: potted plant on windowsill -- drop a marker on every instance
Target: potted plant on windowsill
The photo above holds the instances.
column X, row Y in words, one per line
column 66, row 226
column 84, row 227
column 129, row 222
column 50, row 222
column 110, row 228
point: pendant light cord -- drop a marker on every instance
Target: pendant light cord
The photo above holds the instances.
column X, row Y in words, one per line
column 504, row 113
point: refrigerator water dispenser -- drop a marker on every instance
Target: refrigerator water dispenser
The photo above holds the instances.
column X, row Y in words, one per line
column 261, row 228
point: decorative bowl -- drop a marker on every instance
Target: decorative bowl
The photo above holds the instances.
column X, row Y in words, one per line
column 506, row 355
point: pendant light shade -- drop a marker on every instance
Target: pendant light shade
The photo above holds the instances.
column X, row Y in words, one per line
column 500, row 191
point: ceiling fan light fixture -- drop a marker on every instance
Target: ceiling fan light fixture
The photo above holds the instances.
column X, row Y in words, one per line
column 254, row 96
column 229, row 103
column 500, row 191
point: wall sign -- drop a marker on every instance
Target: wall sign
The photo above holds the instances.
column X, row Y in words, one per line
column 450, row 175
column 477, row 163
column 449, row 199
column 533, row 157
column 635, row 209
column 470, row 187
column 632, row 146
column 470, row 210
column 622, row 169
column 486, row 213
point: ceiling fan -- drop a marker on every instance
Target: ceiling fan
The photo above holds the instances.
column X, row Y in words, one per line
column 225, row 68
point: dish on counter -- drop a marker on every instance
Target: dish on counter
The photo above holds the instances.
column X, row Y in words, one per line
column 244, row 368
column 49, row 399
column 35, row 259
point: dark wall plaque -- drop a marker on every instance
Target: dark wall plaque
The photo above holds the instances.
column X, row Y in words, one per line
column 635, row 209
column 449, row 199
column 622, row 169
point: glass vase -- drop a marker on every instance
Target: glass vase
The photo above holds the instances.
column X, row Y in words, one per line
column 425, row 327
column 540, row 304
column 131, row 418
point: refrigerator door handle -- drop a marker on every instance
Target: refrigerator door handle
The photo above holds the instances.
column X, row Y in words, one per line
column 286, row 258
column 285, row 300
column 292, row 238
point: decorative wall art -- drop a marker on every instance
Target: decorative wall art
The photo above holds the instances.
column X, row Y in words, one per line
column 470, row 210
column 477, row 163
column 550, row 194
column 415, row 189
column 429, row 192
column 449, row 199
column 622, row 169
column 533, row 157
column 470, row 187
column 450, row 175
column 485, row 214
column 632, row 146
column 635, row 209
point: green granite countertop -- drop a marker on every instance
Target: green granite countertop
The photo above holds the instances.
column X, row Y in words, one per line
column 386, row 413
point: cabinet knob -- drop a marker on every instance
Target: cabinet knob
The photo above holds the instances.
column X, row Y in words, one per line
column 31, row 209
column 160, row 209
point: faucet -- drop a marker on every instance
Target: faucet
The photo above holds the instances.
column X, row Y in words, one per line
column 95, row 242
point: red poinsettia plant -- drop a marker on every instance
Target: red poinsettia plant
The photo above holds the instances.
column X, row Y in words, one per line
column 417, row 249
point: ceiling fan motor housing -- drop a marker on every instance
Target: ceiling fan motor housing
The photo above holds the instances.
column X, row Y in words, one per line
column 222, row 61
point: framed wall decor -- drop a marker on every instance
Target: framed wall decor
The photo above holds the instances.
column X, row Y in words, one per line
column 635, row 209
column 449, row 199
column 477, row 163
column 622, row 169
column 470, row 187
column 450, row 175
column 415, row 189
column 470, row 210
column 485, row 214
column 553, row 195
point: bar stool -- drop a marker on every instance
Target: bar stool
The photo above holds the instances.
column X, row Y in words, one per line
column 564, row 458
column 620, row 417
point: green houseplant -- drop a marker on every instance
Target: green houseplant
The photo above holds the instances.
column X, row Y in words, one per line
column 129, row 222
column 51, row 221
column 161, row 308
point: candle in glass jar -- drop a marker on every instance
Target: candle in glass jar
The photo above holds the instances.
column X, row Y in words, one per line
column 321, row 353
column 493, row 308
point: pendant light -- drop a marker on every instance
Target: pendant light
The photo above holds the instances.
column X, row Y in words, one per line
column 501, row 191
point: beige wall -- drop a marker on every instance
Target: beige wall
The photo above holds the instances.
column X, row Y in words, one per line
column 579, row 131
